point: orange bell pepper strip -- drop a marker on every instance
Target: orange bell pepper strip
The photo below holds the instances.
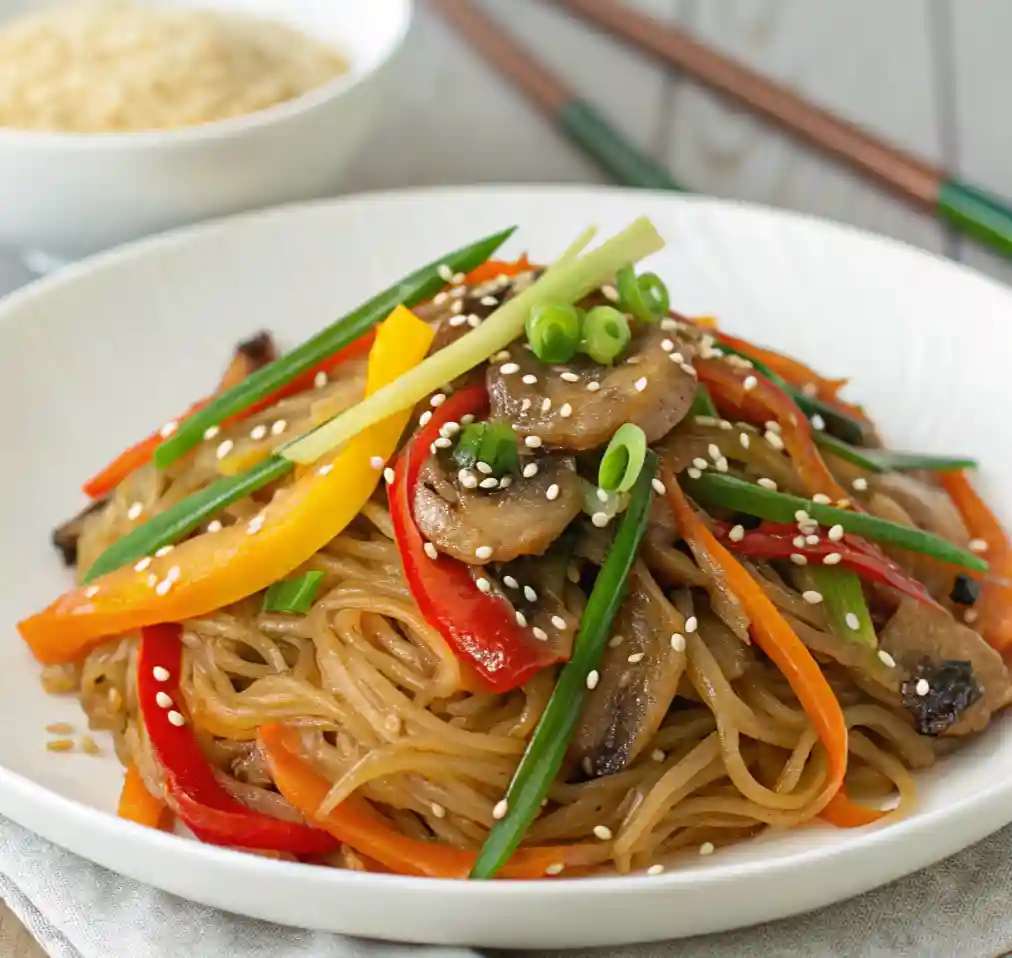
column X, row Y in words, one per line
column 763, row 401
column 356, row 824
column 216, row 569
column 994, row 606
column 137, row 804
column 492, row 268
column 778, row 640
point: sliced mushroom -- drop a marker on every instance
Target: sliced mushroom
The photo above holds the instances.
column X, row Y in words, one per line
column 479, row 526
column 638, row 680
column 66, row 536
column 580, row 405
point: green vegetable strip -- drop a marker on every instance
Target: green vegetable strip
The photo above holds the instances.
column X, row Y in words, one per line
column 702, row 404
column 548, row 744
column 842, row 596
column 170, row 526
column 420, row 285
column 847, row 427
column 295, row 596
column 623, row 459
column 563, row 283
column 729, row 493
column 887, row 460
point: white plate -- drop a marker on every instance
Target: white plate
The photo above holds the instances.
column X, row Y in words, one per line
column 93, row 358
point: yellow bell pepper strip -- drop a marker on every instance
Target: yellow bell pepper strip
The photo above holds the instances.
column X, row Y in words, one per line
column 778, row 640
column 993, row 606
column 137, row 804
column 356, row 824
column 217, row 569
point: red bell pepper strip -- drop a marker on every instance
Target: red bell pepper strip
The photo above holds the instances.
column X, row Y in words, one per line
column 481, row 629
column 776, row 541
column 356, row 824
column 492, row 268
column 994, row 606
column 765, row 401
column 192, row 791
column 778, row 640
column 140, row 454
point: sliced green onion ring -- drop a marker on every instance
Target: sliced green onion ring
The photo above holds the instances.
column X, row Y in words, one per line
column 605, row 334
column 623, row 459
column 646, row 296
column 553, row 330
column 294, row 596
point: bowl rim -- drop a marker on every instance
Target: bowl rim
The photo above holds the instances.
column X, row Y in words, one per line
column 357, row 74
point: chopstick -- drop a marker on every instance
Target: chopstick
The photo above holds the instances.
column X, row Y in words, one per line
column 573, row 116
column 970, row 209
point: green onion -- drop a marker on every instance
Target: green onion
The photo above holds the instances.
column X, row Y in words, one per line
column 843, row 599
column 420, row 285
column 623, row 459
column 646, row 296
column 727, row 492
column 553, row 332
column 493, row 443
column 293, row 595
column 564, row 282
column 168, row 527
column 605, row 334
column 836, row 422
column 548, row 744
column 888, row 460
column 702, row 404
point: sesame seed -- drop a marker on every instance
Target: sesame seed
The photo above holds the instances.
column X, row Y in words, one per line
column 540, row 634
column 161, row 674
column 388, row 475
column 609, row 293
column 745, row 441
column 771, row 425
column 143, row 564
column 490, row 483
column 812, row 597
column 258, row 432
column 593, row 677
column 669, row 325
column 640, row 384
column 687, row 368
column 655, row 870
column 152, row 580
column 529, row 594
column 737, row 533
column 569, row 377
column 483, row 585
column 500, row 810
column 832, row 559
column 457, row 320
column 530, row 379
column 437, row 810
column 555, row 868
column 593, row 386
column 922, row 687
column 521, row 620
column 467, row 480
column 176, row 718
column 378, row 462
column 437, row 400
column 553, row 492
column 799, row 542
column 530, row 470
column 279, row 427
column 211, row 432
column 775, row 441
column 714, row 451
column 483, row 467
column 721, row 465
column 801, row 516
column 836, row 533
column 700, row 463
column 449, row 429
column 812, row 540
column 565, row 410
column 659, row 487
column 818, row 423
column 423, row 419
column 445, row 273
column 767, row 484
column 691, row 623
column 163, row 552
column 603, row 832
column 706, row 849
column 546, row 404
column 600, row 519
column 510, row 582
column 320, row 379
column 525, row 405
column 174, row 573
column 636, row 658
column 255, row 524
column 508, row 369
column 822, row 499
column 887, row 660
column 667, row 345
column 224, row 449
column 168, row 429
column 164, row 700
column 852, row 621
column 489, row 301
column 977, row 545
column 532, row 442
column 693, row 472
column 483, row 552
column 441, row 443
column 860, row 484
column 163, row 587
column 558, row 621
column 430, row 550
column 750, row 383
column 677, row 358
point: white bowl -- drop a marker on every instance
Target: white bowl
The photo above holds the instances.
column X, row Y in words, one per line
column 71, row 194
column 925, row 341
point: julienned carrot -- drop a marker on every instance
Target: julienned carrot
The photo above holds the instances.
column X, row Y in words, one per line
column 994, row 606
column 498, row 267
column 778, row 640
column 137, row 804
column 356, row 824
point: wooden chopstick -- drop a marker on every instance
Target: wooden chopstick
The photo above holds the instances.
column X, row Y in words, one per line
column 969, row 208
column 573, row 116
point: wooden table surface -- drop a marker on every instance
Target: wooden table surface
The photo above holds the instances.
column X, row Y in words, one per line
column 929, row 74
